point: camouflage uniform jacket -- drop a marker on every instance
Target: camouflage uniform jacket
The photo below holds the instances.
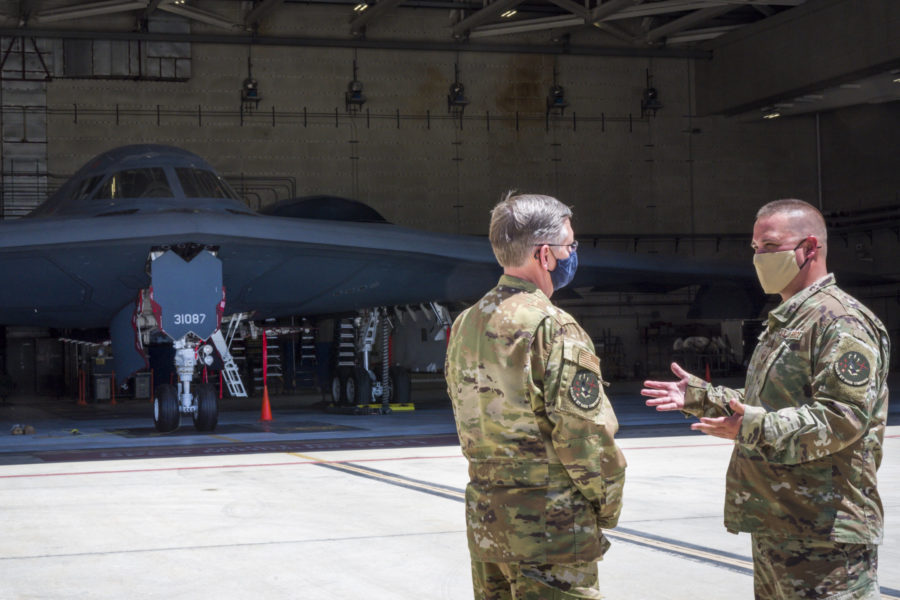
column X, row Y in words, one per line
column 805, row 460
column 537, row 430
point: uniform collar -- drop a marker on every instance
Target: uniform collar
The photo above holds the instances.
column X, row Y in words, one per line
column 510, row 281
column 784, row 311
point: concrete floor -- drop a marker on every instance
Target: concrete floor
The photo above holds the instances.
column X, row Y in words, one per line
column 326, row 506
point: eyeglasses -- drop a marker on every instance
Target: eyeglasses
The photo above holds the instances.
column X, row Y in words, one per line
column 572, row 247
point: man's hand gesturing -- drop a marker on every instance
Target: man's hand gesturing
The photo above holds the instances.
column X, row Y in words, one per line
column 667, row 395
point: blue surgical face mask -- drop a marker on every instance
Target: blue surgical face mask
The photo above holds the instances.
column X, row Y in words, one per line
column 562, row 275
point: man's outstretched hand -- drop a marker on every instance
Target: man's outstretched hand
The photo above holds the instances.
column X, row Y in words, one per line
column 667, row 395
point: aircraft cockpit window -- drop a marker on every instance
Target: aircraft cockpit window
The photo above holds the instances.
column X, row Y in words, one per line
column 136, row 183
column 199, row 183
column 85, row 187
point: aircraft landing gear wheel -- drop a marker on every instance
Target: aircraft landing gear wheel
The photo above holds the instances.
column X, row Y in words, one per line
column 207, row 415
column 166, row 413
column 338, row 386
column 359, row 387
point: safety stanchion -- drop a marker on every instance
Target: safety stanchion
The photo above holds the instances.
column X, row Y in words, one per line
column 266, row 413
column 708, row 376
column 81, row 399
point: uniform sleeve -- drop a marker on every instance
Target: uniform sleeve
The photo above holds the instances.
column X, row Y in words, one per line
column 845, row 384
column 583, row 421
column 702, row 399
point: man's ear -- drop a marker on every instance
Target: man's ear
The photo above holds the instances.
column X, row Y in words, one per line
column 812, row 250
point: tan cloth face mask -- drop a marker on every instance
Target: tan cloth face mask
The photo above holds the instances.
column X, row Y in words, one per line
column 776, row 270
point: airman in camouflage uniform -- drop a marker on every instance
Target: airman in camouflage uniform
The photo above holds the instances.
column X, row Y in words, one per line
column 808, row 426
column 533, row 420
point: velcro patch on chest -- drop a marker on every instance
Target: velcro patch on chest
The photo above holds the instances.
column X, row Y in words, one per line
column 585, row 389
column 853, row 368
column 791, row 335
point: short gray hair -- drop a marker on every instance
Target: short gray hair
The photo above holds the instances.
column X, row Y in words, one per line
column 519, row 222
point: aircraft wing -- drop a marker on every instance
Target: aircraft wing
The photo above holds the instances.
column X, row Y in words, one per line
column 79, row 272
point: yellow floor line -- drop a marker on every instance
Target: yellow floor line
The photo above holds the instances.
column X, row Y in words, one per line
column 227, row 439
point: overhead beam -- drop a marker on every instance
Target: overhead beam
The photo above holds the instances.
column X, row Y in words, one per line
column 259, row 11
column 407, row 45
column 197, row 14
column 359, row 22
column 491, row 11
column 614, row 10
column 582, row 16
column 682, row 23
column 82, row 10
column 602, row 11
column 573, row 7
column 699, row 35
column 526, row 25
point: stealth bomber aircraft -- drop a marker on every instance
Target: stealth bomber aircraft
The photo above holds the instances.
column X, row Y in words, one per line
column 150, row 240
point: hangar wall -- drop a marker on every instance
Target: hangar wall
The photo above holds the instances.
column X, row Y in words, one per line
column 403, row 153
column 624, row 172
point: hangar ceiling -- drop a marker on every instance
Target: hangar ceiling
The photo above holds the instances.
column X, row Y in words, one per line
column 627, row 28
column 622, row 26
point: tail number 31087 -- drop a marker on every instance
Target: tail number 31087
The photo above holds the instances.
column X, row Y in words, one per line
column 189, row 318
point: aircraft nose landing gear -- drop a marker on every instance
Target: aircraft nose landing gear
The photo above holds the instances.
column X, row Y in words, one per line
column 170, row 402
column 166, row 413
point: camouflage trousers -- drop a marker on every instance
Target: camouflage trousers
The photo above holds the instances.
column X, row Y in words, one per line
column 786, row 569
column 520, row 581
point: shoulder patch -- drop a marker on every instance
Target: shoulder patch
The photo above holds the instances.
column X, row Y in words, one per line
column 853, row 368
column 585, row 389
column 589, row 361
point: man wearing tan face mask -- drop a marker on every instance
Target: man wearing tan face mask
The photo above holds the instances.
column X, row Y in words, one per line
column 808, row 426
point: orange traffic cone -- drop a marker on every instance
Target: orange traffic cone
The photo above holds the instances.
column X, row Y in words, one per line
column 708, row 377
column 266, row 414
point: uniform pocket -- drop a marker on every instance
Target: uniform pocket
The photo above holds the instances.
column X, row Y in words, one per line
column 506, row 524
